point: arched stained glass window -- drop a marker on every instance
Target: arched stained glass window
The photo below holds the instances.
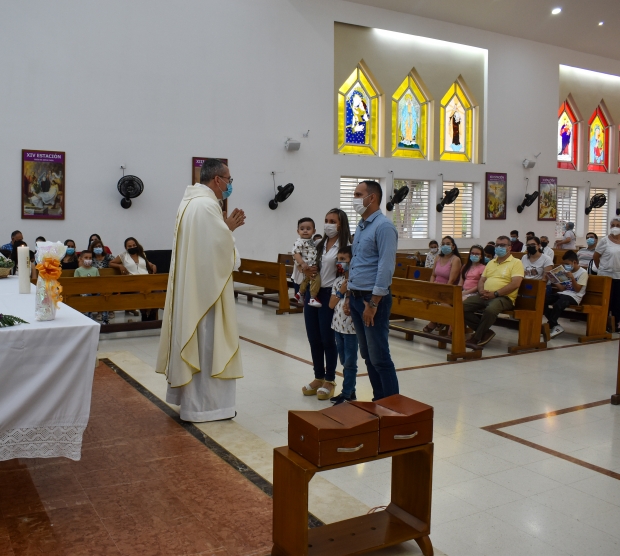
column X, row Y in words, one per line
column 569, row 122
column 412, row 115
column 359, row 112
column 599, row 135
column 459, row 122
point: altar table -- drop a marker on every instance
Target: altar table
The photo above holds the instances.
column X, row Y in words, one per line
column 46, row 378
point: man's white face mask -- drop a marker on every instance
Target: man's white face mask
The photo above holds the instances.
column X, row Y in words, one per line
column 358, row 205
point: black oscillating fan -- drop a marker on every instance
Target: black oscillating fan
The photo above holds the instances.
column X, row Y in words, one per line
column 527, row 201
column 398, row 197
column 597, row 201
column 449, row 198
column 284, row 192
column 129, row 187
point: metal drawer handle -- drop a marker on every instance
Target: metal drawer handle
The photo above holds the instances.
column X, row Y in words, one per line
column 350, row 449
column 405, row 436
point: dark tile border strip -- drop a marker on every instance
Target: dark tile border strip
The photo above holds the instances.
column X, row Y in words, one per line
column 232, row 460
column 495, row 429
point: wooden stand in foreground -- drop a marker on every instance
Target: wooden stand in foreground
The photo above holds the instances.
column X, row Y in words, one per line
column 407, row 517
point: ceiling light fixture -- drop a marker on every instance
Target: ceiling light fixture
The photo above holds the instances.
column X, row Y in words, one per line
column 600, row 23
column 556, row 11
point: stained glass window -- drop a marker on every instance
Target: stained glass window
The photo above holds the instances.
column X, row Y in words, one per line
column 411, row 118
column 458, row 125
column 599, row 134
column 568, row 134
column 358, row 113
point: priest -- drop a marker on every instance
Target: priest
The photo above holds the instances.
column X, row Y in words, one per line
column 199, row 345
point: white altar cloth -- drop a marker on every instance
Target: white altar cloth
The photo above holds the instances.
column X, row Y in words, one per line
column 46, row 377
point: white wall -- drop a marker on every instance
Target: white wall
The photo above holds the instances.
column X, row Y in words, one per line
column 151, row 84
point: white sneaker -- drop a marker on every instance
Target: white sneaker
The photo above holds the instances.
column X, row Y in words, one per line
column 314, row 303
column 556, row 331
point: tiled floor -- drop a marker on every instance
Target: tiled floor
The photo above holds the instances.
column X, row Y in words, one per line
column 492, row 495
column 144, row 486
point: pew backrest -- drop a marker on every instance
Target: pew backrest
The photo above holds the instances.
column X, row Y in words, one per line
column 419, row 273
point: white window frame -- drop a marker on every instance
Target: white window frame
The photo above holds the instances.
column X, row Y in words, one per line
column 462, row 210
column 567, row 208
column 411, row 215
column 347, row 188
column 599, row 218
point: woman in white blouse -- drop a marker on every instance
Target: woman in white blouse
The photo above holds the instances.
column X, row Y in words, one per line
column 318, row 321
column 133, row 261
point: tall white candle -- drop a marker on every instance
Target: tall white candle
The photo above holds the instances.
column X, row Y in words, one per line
column 23, row 266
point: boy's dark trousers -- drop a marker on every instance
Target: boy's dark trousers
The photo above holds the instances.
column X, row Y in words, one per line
column 555, row 304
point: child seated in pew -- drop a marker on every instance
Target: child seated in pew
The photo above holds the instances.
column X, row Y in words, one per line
column 346, row 339
column 86, row 270
column 305, row 255
column 472, row 271
column 562, row 295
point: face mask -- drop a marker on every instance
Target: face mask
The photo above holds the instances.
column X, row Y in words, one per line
column 590, row 241
column 342, row 267
column 544, row 244
column 87, row 262
column 358, row 205
column 513, row 238
column 70, row 251
column 500, row 251
column 446, row 249
column 474, row 258
column 568, row 267
column 487, row 260
column 132, row 250
column 434, row 250
column 615, row 231
column 331, row 230
column 532, row 250
column 98, row 250
column 228, row 192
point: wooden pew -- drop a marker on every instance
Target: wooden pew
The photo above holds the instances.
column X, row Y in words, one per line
column 268, row 275
column 418, row 299
column 558, row 254
column 529, row 310
column 142, row 291
column 419, row 273
column 287, row 260
column 518, row 255
column 102, row 272
column 595, row 307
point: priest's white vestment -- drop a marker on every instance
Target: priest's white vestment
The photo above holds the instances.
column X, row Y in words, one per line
column 199, row 345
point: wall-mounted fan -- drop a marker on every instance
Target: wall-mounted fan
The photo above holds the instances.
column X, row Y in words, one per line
column 398, row 197
column 449, row 198
column 129, row 187
column 284, row 192
column 527, row 201
column 597, row 201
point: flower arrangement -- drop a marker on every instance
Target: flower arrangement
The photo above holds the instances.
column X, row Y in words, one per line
column 5, row 267
column 10, row 320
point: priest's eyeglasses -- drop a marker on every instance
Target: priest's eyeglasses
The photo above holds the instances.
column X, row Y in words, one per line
column 230, row 180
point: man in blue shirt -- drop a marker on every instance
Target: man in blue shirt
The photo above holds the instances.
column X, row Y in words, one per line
column 15, row 236
column 370, row 276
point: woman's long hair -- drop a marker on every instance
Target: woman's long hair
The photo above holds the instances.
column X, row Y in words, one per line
column 468, row 264
column 141, row 252
column 455, row 249
column 344, row 235
column 99, row 238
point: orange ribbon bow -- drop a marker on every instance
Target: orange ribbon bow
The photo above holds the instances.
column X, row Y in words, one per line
column 49, row 269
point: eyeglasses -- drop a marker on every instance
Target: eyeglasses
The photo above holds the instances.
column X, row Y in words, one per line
column 230, row 180
column 502, row 244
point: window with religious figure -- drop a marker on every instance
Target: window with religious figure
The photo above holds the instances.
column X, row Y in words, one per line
column 459, row 123
column 412, row 114
column 599, row 134
column 359, row 112
column 569, row 120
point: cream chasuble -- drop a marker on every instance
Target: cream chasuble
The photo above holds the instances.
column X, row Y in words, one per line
column 199, row 329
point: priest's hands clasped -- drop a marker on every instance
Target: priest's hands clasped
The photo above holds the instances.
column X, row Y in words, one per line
column 236, row 219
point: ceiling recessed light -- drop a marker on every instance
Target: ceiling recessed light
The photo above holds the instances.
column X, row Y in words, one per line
column 601, row 22
column 556, row 11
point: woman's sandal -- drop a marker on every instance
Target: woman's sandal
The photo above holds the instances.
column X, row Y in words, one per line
column 307, row 390
column 428, row 330
column 323, row 393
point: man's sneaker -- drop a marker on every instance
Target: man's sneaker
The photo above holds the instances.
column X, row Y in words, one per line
column 556, row 331
column 488, row 336
column 314, row 302
column 336, row 400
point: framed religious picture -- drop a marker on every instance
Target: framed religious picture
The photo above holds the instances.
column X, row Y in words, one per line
column 495, row 196
column 196, row 165
column 547, row 198
column 43, row 184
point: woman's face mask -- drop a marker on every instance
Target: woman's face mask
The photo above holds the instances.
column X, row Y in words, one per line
column 474, row 258
column 132, row 250
column 331, row 230
column 70, row 251
column 98, row 250
column 446, row 249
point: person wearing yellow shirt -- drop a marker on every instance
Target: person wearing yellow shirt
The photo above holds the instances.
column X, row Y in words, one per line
column 497, row 292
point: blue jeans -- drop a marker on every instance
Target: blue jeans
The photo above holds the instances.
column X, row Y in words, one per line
column 347, row 351
column 374, row 346
column 321, row 336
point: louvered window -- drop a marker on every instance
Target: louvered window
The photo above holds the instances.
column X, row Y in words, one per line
column 457, row 218
column 410, row 216
column 567, row 204
column 599, row 217
column 347, row 188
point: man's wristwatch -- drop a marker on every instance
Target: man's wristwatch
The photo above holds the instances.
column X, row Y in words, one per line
column 373, row 304
column 495, row 294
